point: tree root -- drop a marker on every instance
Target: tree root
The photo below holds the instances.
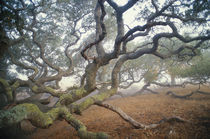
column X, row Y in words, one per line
column 134, row 123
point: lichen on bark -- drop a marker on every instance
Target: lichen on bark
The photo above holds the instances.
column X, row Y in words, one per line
column 72, row 96
column 81, row 129
column 30, row 112
column 78, row 108
column 8, row 89
column 44, row 120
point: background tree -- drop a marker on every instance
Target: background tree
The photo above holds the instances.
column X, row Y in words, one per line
column 197, row 70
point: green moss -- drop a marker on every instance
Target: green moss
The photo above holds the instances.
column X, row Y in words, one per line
column 80, row 92
column 54, row 113
column 9, row 94
column 66, row 99
column 78, row 108
column 50, row 90
column 84, row 134
column 30, row 112
column 37, row 117
column 4, row 82
column 104, row 95
column 35, row 88
column 85, row 104
column 8, row 89
column 15, row 85
column 14, row 115
column 81, row 129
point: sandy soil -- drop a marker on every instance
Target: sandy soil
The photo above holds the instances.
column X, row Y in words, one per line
column 147, row 109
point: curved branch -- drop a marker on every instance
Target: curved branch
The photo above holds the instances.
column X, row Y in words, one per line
column 135, row 123
column 100, row 26
column 158, row 13
column 131, row 83
column 188, row 95
column 155, row 5
column 124, row 8
column 180, row 96
column 102, row 34
column 81, row 129
column 35, row 69
column 199, row 20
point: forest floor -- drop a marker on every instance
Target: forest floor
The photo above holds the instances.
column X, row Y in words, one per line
column 146, row 109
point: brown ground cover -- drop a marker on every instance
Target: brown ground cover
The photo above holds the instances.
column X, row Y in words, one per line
column 147, row 109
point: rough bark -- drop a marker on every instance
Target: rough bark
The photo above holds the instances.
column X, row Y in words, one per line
column 91, row 71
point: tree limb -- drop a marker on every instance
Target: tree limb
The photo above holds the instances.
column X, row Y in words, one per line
column 134, row 123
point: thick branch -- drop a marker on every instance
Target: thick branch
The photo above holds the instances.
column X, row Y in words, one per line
column 44, row 120
column 78, row 108
column 30, row 112
column 81, row 129
column 70, row 97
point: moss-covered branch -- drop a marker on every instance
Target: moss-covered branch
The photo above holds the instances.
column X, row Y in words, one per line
column 30, row 112
column 8, row 89
column 46, row 89
column 73, row 96
column 36, row 89
column 44, row 120
column 81, row 129
column 78, row 108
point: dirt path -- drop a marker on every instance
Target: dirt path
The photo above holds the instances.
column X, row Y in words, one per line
column 147, row 109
